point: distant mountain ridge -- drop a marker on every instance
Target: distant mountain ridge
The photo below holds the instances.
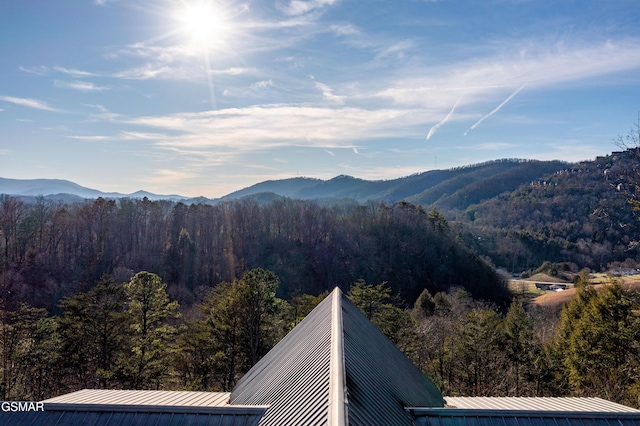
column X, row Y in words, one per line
column 59, row 188
column 455, row 188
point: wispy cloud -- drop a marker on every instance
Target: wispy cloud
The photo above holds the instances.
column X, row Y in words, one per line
column 36, row 70
column 146, row 72
column 484, row 78
column 327, row 94
column 30, row 103
column 496, row 109
column 89, row 137
column 235, row 71
column 299, row 7
column 263, row 127
column 75, row 72
column 83, row 86
column 437, row 126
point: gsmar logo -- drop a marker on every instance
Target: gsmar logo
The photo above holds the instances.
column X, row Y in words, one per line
column 12, row 406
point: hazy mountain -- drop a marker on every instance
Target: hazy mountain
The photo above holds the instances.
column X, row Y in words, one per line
column 454, row 188
column 67, row 191
column 447, row 189
column 284, row 187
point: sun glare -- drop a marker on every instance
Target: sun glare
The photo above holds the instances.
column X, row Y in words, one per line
column 202, row 23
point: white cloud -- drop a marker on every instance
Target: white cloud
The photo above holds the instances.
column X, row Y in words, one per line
column 261, row 85
column 263, row 127
column 30, row 103
column 36, row 70
column 299, row 7
column 327, row 94
column 83, row 86
column 489, row 77
column 75, row 72
column 90, row 138
column 235, row 71
column 146, row 72
column 345, row 29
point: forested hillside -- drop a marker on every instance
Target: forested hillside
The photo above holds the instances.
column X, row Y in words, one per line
column 580, row 214
column 452, row 188
column 50, row 250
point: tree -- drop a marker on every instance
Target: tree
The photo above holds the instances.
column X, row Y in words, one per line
column 93, row 333
column 241, row 321
column 521, row 349
column 425, row 305
column 478, row 360
column 598, row 339
column 149, row 311
column 17, row 331
column 395, row 323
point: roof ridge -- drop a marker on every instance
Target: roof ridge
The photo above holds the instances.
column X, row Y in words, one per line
column 338, row 401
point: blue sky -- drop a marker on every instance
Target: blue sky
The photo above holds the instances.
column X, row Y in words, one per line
column 122, row 95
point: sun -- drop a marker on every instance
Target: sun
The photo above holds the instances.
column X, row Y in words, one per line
column 202, row 23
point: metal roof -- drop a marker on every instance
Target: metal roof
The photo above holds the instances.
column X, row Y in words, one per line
column 131, row 415
column 381, row 380
column 293, row 378
column 100, row 407
column 488, row 417
column 538, row 404
column 336, row 368
column 489, row 411
column 143, row 397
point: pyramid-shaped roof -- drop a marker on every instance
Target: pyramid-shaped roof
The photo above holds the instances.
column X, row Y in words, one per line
column 336, row 368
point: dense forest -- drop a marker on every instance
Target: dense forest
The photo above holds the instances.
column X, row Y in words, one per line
column 50, row 250
column 580, row 214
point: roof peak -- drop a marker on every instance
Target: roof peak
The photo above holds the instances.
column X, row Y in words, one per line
column 335, row 367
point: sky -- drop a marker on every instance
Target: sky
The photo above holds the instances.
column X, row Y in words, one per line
column 205, row 97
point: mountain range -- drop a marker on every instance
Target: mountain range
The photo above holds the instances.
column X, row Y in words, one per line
column 452, row 188
column 67, row 191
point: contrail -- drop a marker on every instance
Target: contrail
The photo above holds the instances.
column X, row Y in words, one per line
column 437, row 126
column 496, row 109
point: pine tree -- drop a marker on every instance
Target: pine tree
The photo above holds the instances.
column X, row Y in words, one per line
column 149, row 311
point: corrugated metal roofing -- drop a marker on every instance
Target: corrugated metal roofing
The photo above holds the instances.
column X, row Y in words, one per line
column 295, row 376
column 487, row 417
column 538, row 404
column 100, row 407
column 144, row 397
column 129, row 415
column 381, row 381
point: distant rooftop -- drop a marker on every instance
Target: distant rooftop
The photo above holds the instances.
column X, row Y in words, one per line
column 538, row 404
column 143, row 397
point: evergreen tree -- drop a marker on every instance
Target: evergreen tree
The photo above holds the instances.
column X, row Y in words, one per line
column 148, row 312
column 598, row 340
column 93, row 334
column 521, row 349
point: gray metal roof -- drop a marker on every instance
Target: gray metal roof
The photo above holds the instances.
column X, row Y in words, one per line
column 488, row 417
column 143, row 397
column 99, row 407
column 336, row 368
column 538, row 404
column 293, row 378
column 489, row 411
column 131, row 415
